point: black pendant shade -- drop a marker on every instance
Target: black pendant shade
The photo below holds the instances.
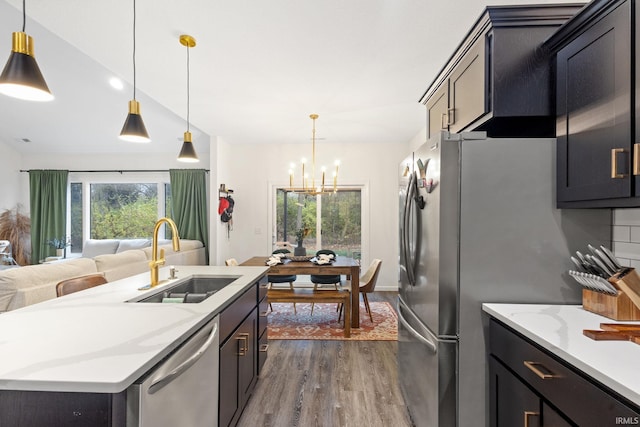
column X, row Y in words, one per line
column 134, row 129
column 21, row 77
column 187, row 153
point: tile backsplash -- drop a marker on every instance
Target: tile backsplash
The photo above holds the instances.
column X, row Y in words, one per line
column 625, row 234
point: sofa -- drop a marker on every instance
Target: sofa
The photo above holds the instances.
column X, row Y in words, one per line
column 31, row 284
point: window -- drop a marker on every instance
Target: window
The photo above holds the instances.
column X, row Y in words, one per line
column 120, row 211
column 109, row 207
column 335, row 220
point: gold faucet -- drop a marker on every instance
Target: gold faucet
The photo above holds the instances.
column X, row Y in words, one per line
column 155, row 262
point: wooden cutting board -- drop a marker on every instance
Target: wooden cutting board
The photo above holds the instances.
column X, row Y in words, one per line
column 615, row 332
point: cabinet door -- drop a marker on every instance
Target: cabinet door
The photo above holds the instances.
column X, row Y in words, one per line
column 593, row 108
column 438, row 111
column 229, row 400
column 248, row 356
column 552, row 418
column 512, row 402
column 467, row 88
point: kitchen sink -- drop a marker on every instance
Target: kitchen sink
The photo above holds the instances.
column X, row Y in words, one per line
column 192, row 290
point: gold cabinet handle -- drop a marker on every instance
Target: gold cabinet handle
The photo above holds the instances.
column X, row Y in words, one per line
column 533, row 367
column 528, row 414
column 264, row 348
column 244, row 343
column 614, row 163
column 636, row 159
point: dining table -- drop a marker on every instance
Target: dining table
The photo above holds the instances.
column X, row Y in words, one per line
column 346, row 266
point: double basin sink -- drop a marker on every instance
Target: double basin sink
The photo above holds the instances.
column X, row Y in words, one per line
column 192, row 290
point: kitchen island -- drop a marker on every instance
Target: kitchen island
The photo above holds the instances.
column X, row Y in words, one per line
column 96, row 342
column 574, row 379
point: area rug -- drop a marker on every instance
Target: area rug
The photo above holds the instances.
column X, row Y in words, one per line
column 324, row 325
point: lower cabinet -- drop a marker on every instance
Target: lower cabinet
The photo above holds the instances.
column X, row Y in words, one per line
column 61, row 409
column 243, row 327
column 531, row 387
column 238, row 370
column 513, row 403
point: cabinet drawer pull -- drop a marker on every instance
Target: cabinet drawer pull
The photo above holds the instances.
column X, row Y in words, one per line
column 614, row 163
column 533, row 367
column 444, row 121
column 636, row 159
column 244, row 343
column 264, row 348
column 528, row 414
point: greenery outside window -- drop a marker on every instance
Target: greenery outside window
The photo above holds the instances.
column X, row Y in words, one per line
column 335, row 221
column 102, row 207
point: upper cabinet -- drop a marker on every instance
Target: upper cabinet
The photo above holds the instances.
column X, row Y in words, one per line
column 597, row 121
column 499, row 78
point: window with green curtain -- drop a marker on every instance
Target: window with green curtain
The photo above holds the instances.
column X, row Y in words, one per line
column 48, row 198
column 189, row 204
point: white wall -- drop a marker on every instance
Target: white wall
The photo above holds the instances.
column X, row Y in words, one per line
column 11, row 192
column 253, row 171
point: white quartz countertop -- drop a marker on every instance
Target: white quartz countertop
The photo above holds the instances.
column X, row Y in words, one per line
column 558, row 328
column 94, row 341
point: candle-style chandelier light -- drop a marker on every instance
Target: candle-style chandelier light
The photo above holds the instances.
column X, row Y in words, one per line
column 309, row 185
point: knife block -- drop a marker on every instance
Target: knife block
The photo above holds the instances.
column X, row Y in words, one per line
column 625, row 305
column 616, row 307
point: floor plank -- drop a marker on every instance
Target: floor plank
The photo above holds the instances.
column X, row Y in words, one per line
column 329, row 383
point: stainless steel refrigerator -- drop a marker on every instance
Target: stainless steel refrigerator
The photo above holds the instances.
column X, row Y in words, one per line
column 478, row 224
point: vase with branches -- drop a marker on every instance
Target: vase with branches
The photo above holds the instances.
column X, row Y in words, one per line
column 300, row 235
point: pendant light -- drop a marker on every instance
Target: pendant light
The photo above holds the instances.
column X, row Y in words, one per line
column 187, row 153
column 21, row 77
column 134, row 129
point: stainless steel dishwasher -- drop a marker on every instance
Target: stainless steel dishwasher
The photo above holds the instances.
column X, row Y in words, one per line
column 183, row 389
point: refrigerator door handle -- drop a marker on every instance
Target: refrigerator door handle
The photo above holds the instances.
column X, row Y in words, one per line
column 428, row 341
column 409, row 257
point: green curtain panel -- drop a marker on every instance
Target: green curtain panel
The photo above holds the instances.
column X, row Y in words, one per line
column 189, row 204
column 48, row 198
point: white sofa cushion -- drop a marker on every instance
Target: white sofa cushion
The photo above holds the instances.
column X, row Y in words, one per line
column 124, row 264
column 95, row 247
column 34, row 283
column 128, row 244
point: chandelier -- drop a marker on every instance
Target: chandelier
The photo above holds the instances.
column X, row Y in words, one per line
column 311, row 186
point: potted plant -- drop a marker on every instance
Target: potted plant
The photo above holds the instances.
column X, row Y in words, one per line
column 59, row 244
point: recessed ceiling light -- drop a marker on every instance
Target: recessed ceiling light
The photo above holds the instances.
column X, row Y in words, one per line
column 116, row 83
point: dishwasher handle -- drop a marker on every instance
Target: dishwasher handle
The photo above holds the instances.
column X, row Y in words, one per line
column 166, row 379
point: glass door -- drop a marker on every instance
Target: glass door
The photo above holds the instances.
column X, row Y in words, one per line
column 333, row 221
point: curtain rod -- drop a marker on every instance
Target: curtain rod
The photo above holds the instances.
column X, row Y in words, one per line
column 120, row 171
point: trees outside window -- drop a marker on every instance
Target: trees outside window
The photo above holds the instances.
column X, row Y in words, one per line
column 335, row 220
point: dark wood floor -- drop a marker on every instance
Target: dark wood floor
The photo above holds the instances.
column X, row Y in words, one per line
column 329, row 384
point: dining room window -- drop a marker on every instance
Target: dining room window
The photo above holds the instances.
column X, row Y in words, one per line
column 334, row 220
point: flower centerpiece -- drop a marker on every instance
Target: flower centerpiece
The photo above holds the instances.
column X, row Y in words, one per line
column 59, row 244
column 300, row 235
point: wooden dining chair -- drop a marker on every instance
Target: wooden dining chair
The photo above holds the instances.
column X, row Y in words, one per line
column 76, row 284
column 368, row 285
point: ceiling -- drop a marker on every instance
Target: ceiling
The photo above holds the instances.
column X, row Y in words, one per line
column 258, row 70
